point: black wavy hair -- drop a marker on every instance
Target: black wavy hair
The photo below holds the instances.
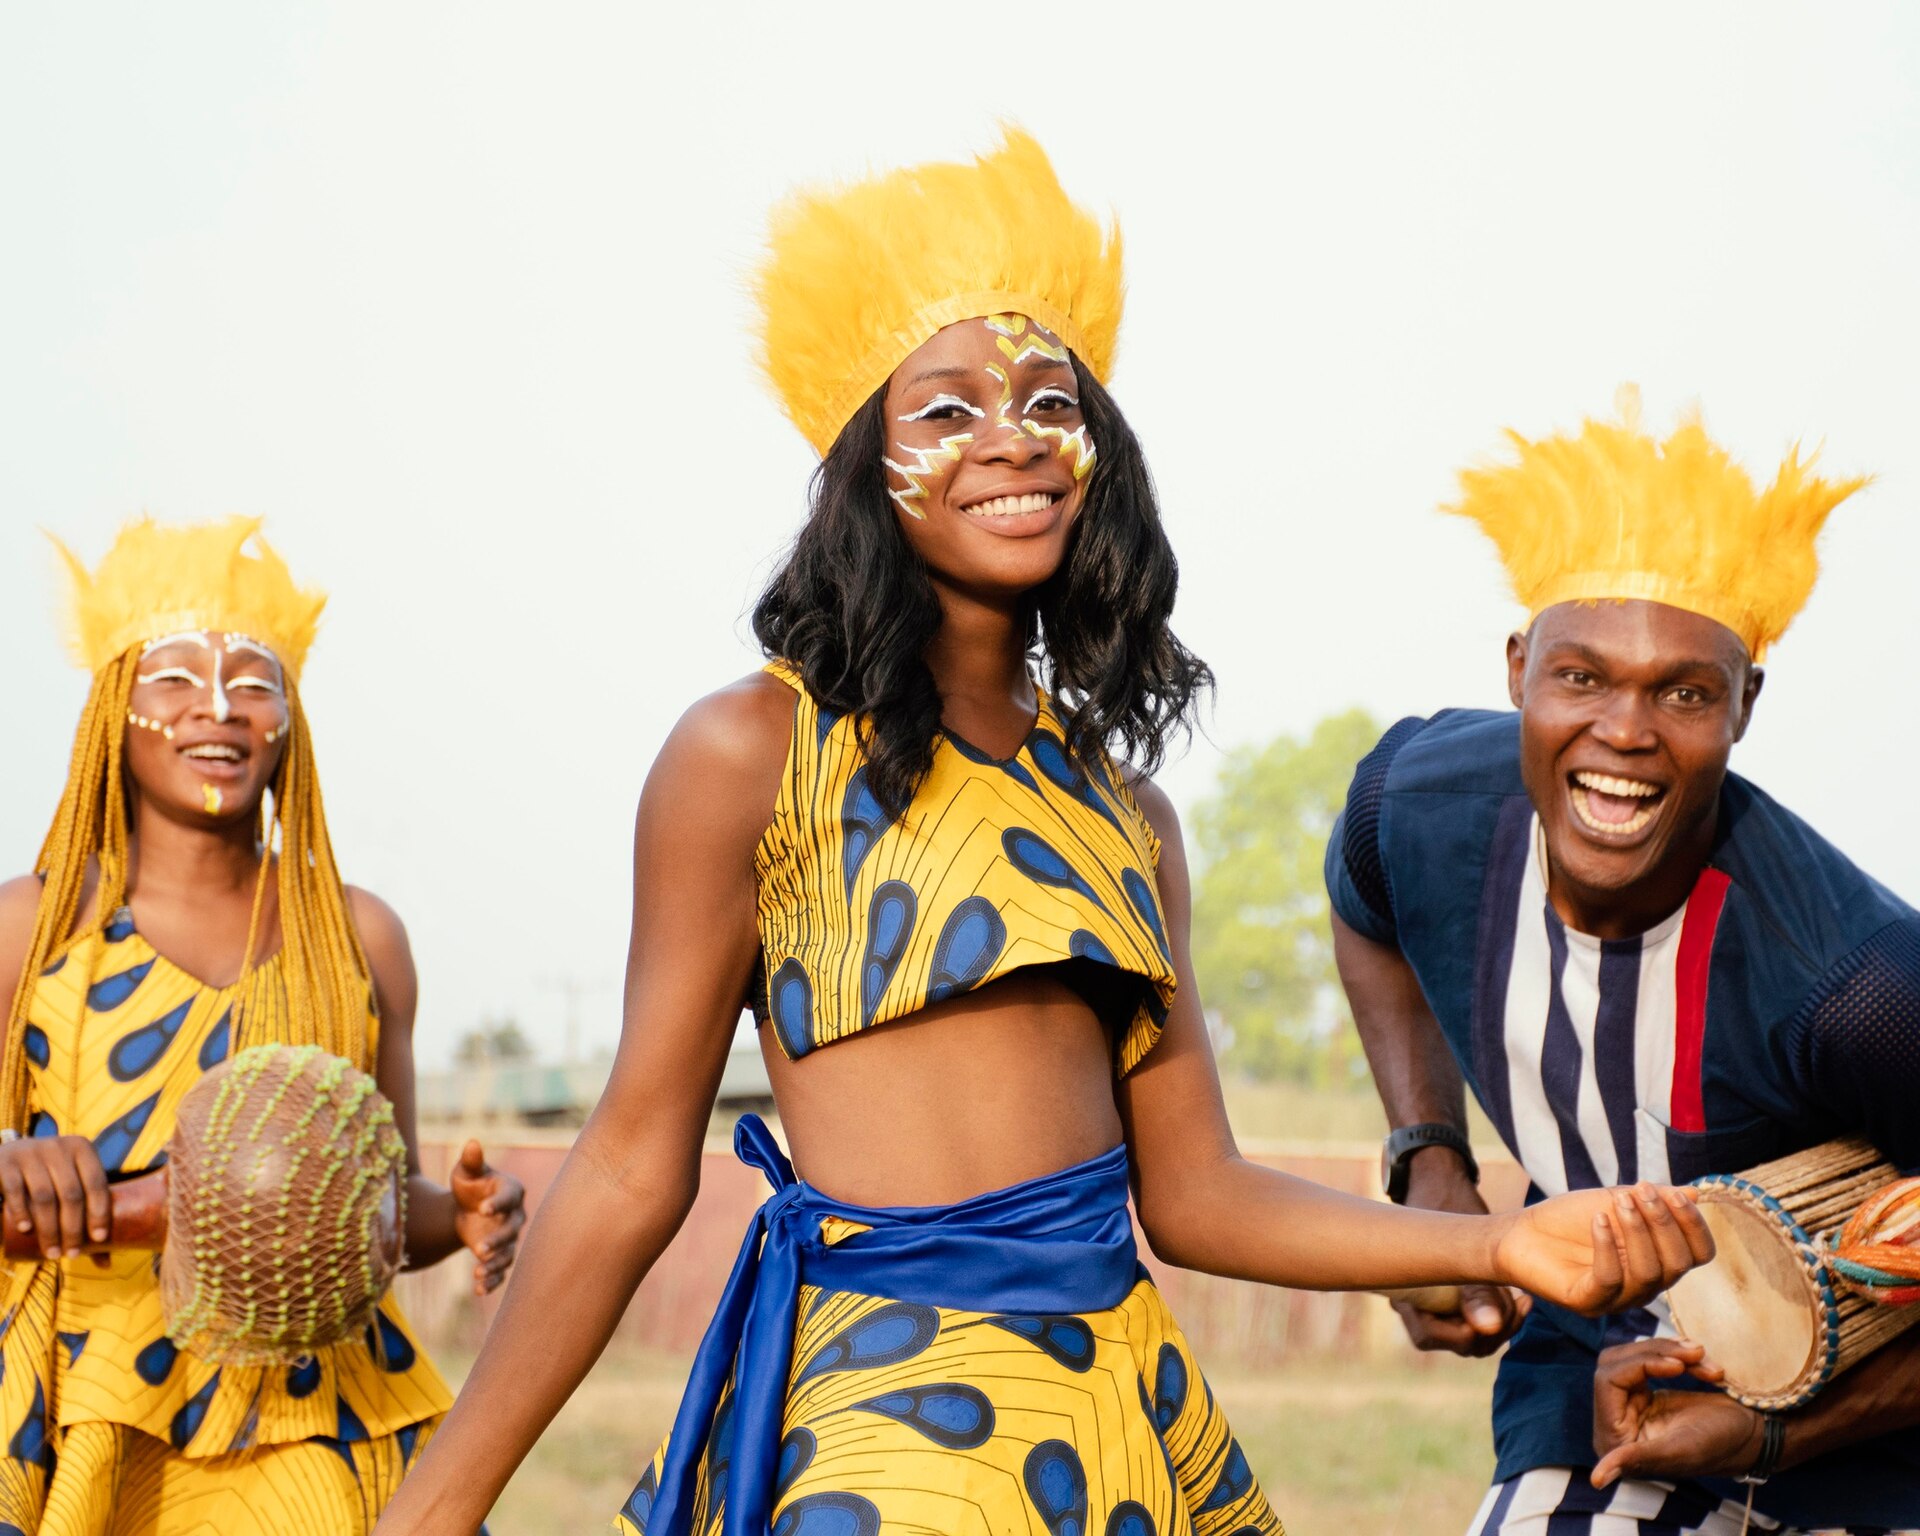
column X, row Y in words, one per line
column 853, row 610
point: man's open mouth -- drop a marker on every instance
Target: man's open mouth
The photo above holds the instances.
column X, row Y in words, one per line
column 1612, row 806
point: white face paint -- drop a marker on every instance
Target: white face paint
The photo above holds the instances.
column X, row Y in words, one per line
column 223, row 675
column 928, row 464
column 1019, row 341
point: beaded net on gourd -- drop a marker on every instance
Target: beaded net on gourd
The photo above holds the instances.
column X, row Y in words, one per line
column 285, row 1205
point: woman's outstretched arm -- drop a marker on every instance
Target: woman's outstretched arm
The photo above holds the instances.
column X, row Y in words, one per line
column 632, row 1174
column 1204, row 1206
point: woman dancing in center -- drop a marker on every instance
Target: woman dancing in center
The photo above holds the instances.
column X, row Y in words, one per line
column 964, row 928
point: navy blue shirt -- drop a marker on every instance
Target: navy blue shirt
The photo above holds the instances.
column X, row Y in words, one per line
column 1779, row 1008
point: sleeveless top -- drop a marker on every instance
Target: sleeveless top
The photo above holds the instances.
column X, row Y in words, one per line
column 997, row 864
column 115, row 1036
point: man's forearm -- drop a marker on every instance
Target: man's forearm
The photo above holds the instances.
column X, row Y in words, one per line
column 1413, row 1068
column 1876, row 1397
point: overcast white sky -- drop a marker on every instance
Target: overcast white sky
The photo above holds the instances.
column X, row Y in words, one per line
column 453, row 295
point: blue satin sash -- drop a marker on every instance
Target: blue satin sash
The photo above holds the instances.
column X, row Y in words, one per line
column 1058, row 1244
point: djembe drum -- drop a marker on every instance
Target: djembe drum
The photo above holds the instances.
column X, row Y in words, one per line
column 1817, row 1265
column 280, row 1210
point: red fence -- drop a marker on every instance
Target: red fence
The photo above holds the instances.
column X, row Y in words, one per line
column 1227, row 1320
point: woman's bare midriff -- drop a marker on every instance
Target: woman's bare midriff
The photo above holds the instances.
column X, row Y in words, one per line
column 1007, row 1083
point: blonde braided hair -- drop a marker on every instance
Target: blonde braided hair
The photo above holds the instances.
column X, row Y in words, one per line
column 323, row 992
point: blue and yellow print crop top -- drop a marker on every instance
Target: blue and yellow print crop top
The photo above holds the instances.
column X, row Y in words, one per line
column 1034, row 860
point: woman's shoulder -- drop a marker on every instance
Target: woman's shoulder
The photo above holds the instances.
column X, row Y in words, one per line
column 727, row 753
column 737, row 727
column 19, row 911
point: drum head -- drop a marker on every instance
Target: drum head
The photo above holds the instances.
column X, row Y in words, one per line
column 1755, row 1307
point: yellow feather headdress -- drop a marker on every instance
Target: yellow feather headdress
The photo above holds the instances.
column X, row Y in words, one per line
column 859, row 276
column 161, row 580
column 1613, row 513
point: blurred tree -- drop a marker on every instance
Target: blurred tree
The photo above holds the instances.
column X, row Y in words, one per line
column 1261, row 945
column 493, row 1040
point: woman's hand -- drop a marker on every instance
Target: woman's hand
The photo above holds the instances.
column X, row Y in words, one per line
column 56, row 1188
column 1603, row 1250
column 1640, row 1432
column 488, row 1213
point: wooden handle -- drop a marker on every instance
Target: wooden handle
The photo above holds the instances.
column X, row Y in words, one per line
column 1442, row 1300
column 139, row 1219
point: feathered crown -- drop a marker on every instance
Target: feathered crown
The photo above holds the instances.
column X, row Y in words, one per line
column 1614, row 513
column 857, row 277
column 161, row 580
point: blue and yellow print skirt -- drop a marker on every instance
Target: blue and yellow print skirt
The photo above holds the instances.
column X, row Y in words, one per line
column 888, row 1416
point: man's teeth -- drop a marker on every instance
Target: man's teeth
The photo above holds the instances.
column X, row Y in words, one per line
column 1616, row 828
column 1626, row 789
column 219, row 752
column 1011, row 506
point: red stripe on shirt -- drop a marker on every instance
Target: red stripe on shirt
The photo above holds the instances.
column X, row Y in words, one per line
column 1687, row 1112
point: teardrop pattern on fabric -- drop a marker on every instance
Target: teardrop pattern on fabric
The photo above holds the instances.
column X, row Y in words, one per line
column 1050, row 752
column 969, row 943
column 43, row 1124
column 116, row 1141
column 1043, row 864
column 829, row 1514
column 155, row 1363
column 74, row 1344
column 1130, row 1518
column 951, row 1414
column 409, row 1436
column 790, row 1002
column 186, row 1423
column 639, row 1505
column 885, row 1336
column 392, row 1351
column 108, row 994
column 862, row 820
column 348, row 1427
column 303, row 1377
column 796, row 1455
column 1065, row 1339
column 889, row 926
column 120, row 928
column 1170, row 1385
column 136, row 1052
column 29, row 1441
column 1084, row 946
column 1057, row 1486
column 34, row 1043
column 1147, row 908
column 1236, row 1477
column 213, row 1050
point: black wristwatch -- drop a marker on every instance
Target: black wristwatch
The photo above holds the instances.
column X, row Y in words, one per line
column 1396, row 1156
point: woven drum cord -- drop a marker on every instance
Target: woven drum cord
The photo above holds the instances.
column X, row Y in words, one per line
column 1876, row 1254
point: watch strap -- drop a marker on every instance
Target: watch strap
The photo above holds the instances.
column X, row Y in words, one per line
column 1405, row 1140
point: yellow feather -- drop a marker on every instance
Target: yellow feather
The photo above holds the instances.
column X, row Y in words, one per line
column 161, row 579
column 1613, row 513
column 857, row 277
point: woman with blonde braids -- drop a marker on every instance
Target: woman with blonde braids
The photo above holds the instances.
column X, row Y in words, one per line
column 164, row 928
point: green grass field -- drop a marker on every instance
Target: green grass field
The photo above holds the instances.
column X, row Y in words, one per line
column 1346, row 1450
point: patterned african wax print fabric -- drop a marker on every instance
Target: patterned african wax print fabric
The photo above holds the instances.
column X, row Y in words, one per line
column 1003, row 1365
column 91, row 1389
column 997, row 864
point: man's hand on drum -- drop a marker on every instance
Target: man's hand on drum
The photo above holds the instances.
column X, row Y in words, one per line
column 56, row 1188
column 489, row 1211
column 1639, row 1431
column 1603, row 1250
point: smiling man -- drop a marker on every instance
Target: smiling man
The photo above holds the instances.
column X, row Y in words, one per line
column 1645, row 968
